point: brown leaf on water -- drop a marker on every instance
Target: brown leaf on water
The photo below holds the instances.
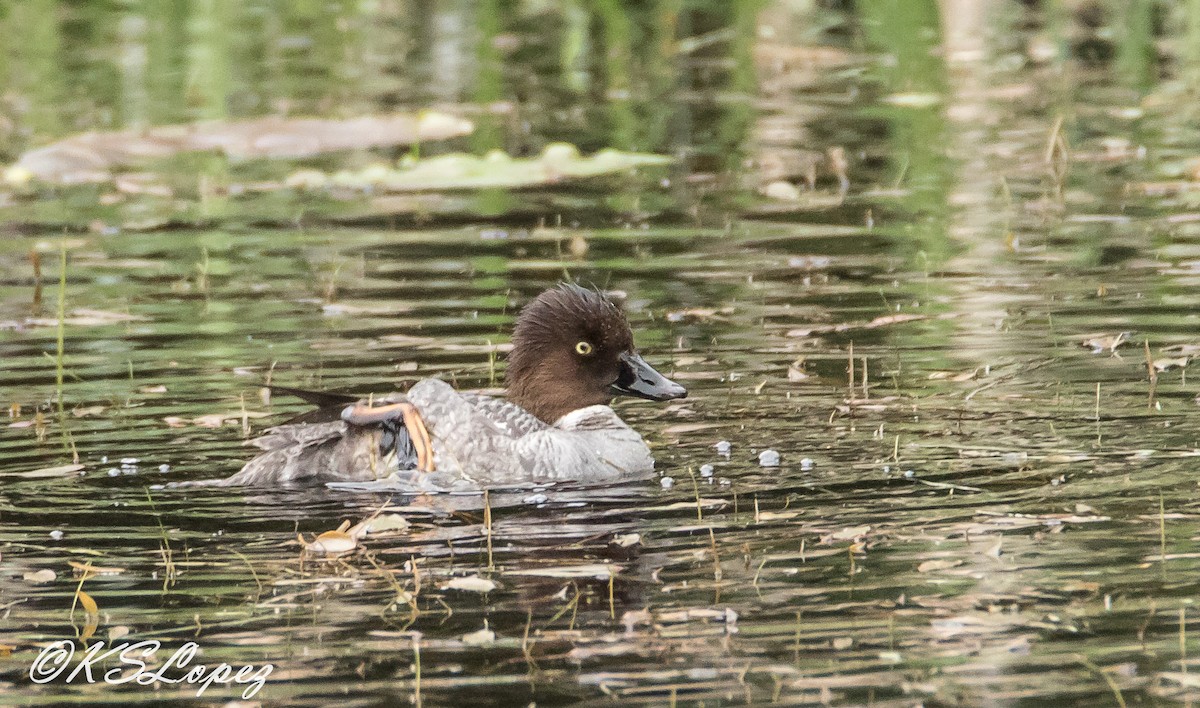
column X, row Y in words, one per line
column 88, row 568
column 88, row 411
column 87, row 603
column 46, row 472
column 1188, row 350
column 1165, row 364
column 957, row 377
column 796, row 372
column 886, row 320
column 216, row 420
column 693, row 614
column 330, row 543
column 1100, row 343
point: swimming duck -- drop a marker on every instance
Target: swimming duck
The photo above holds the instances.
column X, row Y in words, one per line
column 572, row 352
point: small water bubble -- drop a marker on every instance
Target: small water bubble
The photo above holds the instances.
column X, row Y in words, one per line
column 535, row 499
column 129, row 460
column 164, row 468
column 113, row 472
column 104, row 460
column 768, row 458
column 908, row 474
column 723, row 448
column 887, row 469
column 56, row 535
column 725, row 481
column 806, row 464
column 667, row 482
column 706, row 470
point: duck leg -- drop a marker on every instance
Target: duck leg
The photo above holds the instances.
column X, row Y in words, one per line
column 362, row 414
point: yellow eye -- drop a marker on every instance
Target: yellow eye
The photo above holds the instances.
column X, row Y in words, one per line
column 583, row 348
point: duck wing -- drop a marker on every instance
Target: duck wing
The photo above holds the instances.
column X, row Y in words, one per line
column 511, row 419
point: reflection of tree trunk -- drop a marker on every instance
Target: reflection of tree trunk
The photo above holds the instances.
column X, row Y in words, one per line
column 209, row 74
column 975, row 225
column 451, row 50
column 971, row 218
column 33, row 63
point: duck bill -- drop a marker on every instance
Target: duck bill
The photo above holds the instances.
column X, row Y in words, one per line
column 639, row 379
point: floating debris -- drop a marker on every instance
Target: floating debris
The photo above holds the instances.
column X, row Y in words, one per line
column 768, row 458
column 558, row 163
column 38, row 577
column 482, row 638
column 1099, row 343
column 472, row 583
column 94, row 157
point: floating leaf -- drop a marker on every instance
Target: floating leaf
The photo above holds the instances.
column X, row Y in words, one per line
column 94, row 156
column 1104, row 342
column 600, row 571
column 95, row 569
column 381, row 524
column 850, row 533
column 37, row 577
column 471, row 583
column 57, row 471
column 1165, row 363
column 627, row 540
column 216, row 420
column 558, row 163
column 331, row 543
column 87, row 603
column 88, row 411
column 482, row 638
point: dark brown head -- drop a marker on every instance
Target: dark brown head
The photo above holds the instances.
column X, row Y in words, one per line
column 572, row 348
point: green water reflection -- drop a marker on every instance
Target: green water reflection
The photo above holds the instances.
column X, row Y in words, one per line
column 984, row 511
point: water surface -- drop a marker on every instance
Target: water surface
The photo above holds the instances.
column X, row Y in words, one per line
column 971, row 507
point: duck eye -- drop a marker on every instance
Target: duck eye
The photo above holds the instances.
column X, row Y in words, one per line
column 583, row 348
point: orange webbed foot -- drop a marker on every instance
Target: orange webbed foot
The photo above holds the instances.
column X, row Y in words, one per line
column 363, row 414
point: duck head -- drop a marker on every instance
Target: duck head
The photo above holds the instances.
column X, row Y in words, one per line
column 572, row 347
